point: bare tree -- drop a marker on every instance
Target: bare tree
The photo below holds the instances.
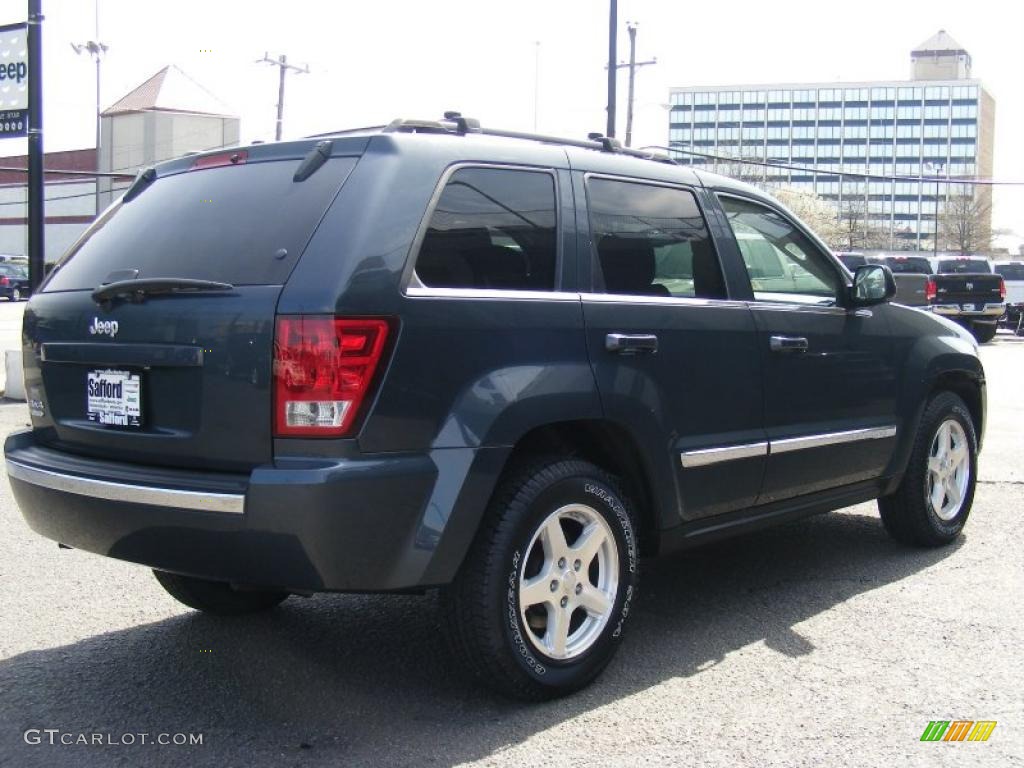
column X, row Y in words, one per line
column 856, row 227
column 816, row 213
column 965, row 222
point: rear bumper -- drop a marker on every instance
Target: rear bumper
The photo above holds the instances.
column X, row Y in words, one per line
column 369, row 524
column 987, row 311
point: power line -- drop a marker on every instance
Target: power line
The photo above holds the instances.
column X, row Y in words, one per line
column 830, row 172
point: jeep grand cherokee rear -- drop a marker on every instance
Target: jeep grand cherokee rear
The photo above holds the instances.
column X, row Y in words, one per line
column 506, row 367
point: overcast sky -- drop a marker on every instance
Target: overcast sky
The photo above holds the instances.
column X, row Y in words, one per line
column 374, row 60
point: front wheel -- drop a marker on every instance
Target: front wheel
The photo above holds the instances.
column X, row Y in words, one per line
column 217, row 597
column 538, row 608
column 933, row 501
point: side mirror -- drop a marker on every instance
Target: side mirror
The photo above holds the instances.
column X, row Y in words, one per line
column 872, row 284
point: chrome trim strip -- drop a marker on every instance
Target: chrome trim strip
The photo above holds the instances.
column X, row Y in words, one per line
column 706, row 456
column 830, row 438
column 691, row 301
column 233, row 503
column 427, row 292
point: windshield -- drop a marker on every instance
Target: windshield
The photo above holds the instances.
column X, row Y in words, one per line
column 228, row 224
column 1011, row 271
column 908, row 265
column 964, row 266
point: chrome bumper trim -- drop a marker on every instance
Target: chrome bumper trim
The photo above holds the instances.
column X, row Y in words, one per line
column 232, row 503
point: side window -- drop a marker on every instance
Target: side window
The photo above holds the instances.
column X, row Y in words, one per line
column 783, row 264
column 493, row 228
column 651, row 241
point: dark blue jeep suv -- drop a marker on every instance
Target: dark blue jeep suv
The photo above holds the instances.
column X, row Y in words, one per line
column 507, row 366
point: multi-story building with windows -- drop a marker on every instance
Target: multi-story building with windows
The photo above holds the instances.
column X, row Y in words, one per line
column 938, row 124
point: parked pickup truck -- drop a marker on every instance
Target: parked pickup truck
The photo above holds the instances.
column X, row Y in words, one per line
column 1012, row 273
column 912, row 274
column 965, row 289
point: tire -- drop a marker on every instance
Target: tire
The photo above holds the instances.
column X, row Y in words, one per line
column 911, row 514
column 15, row 295
column 217, row 597
column 514, row 646
column 984, row 332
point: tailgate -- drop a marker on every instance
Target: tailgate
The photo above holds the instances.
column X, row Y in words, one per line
column 176, row 378
column 974, row 289
column 203, row 368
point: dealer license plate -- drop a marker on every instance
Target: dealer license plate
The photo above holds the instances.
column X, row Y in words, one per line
column 114, row 397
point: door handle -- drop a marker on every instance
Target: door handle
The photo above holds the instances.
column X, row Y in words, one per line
column 787, row 344
column 631, row 343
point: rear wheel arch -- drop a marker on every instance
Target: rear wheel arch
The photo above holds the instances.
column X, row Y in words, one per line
column 608, row 446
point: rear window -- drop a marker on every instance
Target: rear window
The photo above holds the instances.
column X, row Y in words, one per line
column 852, row 260
column 908, row 265
column 1011, row 271
column 229, row 224
column 12, row 270
column 964, row 266
column 493, row 228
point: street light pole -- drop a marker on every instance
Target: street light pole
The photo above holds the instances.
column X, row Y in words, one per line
column 96, row 49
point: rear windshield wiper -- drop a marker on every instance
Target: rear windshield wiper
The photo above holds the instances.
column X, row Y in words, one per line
column 138, row 289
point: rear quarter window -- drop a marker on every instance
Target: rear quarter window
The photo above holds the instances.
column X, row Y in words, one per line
column 228, row 224
column 492, row 228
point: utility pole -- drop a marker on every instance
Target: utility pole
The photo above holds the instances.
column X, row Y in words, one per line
column 36, row 181
column 632, row 65
column 281, row 62
column 613, row 56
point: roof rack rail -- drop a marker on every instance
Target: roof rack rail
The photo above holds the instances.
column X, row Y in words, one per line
column 454, row 123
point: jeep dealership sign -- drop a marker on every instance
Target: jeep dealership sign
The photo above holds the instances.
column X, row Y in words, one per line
column 13, row 80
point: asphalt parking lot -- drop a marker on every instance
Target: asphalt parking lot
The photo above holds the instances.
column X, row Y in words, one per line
column 817, row 643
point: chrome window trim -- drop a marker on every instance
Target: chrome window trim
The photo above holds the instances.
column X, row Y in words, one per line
column 231, row 503
column 706, row 456
column 426, row 292
column 830, row 438
column 411, row 280
column 691, row 301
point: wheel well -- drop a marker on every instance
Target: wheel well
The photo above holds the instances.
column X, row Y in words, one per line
column 608, row 446
column 968, row 389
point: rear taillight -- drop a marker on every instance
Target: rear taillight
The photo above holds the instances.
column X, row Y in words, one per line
column 1002, row 289
column 323, row 370
column 4, row 281
column 930, row 292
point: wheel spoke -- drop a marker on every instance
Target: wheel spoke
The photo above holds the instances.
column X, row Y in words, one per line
column 952, row 490
column 557, row 632
column 536, row 591
column 587, row 545
column 594, row 601
column 938, row 494
column 935, row 465
column 553, row 539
